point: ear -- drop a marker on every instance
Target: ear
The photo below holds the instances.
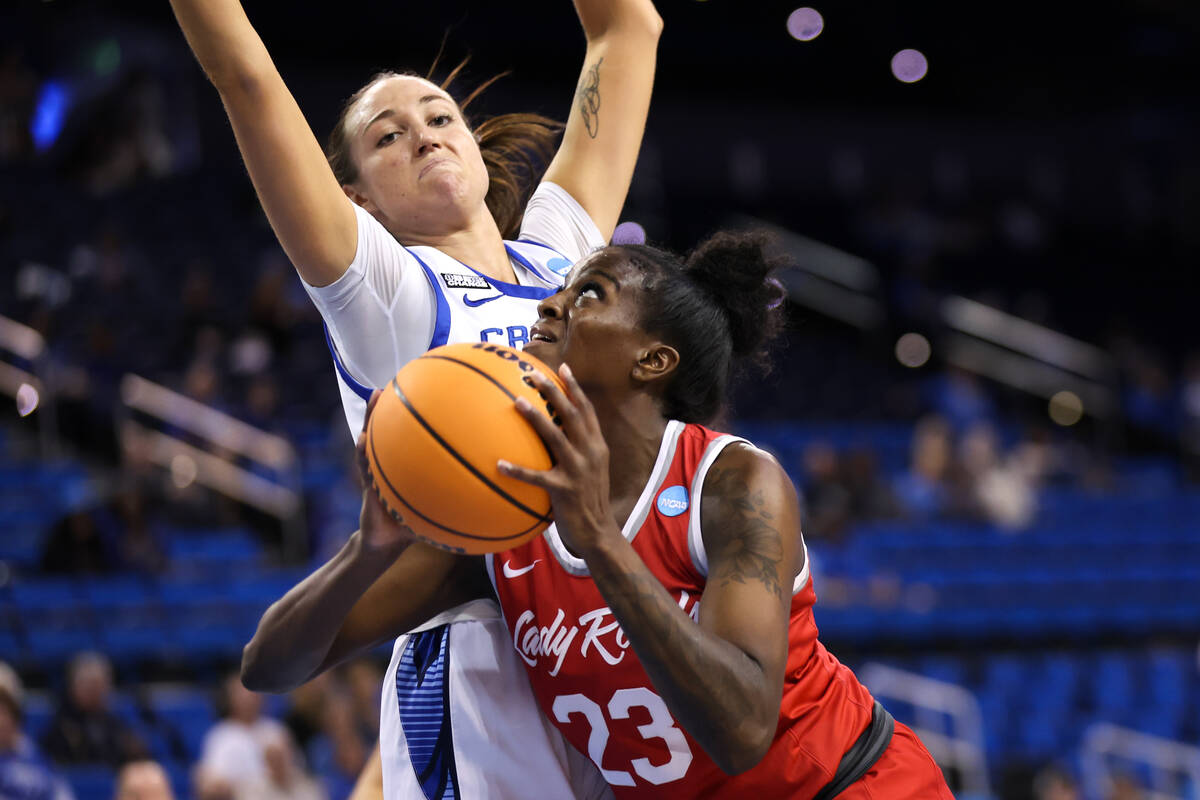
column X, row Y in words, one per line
column 655, row 362
column 359, row 199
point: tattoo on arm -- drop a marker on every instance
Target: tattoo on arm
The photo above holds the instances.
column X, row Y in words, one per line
column 754, row 547
column 588, row 95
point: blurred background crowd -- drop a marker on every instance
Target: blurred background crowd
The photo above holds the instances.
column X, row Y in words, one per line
column 988, row 395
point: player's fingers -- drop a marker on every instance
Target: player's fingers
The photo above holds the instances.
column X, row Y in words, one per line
column 567, row 411
column 543, row 478
column 558, row 444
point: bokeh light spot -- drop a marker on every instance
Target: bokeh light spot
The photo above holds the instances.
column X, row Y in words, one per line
column 107, row 57
column 1066, row 408
column 909, row 65
column 805, row 24
column 629, row 232
column 27, row 399
column 49, row 115
column 913, row 350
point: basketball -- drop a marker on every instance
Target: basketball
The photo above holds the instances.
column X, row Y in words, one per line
column 434, row 438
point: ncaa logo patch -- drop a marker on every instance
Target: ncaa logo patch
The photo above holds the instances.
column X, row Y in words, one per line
column 672, row 501
column 559, row 266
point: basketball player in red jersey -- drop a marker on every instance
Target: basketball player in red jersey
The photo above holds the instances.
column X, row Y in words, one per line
column 662, row 646
column 677, row 650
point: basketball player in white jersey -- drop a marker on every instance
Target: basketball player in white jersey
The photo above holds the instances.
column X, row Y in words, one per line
column 399, row 238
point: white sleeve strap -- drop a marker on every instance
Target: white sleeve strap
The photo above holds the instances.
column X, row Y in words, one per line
column 696, row 537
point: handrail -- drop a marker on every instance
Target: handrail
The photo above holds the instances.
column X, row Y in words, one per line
column 30, row 346
column 214, row 466
column 962, row 748
column 1028, row 338
column 20, row 339
column 207, row 422
column 1103, row 739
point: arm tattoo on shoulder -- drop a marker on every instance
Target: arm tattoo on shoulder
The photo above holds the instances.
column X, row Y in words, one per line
column 754, row 548
column 588, row 95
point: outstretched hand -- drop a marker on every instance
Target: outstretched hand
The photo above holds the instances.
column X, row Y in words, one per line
column 380, row 530
column 578, row 481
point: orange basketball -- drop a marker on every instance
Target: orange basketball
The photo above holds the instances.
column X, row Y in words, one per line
column 435, row 436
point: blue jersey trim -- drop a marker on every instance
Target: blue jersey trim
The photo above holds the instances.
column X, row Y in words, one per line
column 441, row 325
column 511, row 289
column 355, row 386
column 558, row 253
column 556, row 280
column 423, row 694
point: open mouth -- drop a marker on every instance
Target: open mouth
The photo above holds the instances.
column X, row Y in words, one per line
column 540, row 334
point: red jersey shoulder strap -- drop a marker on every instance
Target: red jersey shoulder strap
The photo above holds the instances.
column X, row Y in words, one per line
column 716, row 446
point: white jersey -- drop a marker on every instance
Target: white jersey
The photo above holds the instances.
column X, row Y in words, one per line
column 395, row 302
column 457, row 717
column 457, row 696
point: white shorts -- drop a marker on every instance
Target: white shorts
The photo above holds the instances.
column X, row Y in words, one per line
column 458, row 720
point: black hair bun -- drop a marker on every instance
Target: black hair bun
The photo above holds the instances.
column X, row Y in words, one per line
column 734, row 269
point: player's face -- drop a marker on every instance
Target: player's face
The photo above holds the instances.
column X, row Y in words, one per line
column 593, row 323
column 420, row 170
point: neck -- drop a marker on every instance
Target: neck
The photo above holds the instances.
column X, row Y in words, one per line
column 479, row 245
column 635, row 430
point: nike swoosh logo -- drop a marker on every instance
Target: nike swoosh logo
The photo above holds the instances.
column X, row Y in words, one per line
column 509, row 572
column 480, row 301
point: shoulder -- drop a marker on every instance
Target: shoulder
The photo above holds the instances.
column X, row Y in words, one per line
column 747, row 493
column 554, row 218
column 742, row 473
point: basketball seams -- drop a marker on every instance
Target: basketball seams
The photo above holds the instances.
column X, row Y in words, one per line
column 474, row 369
column 437, row 437
column 399, row 517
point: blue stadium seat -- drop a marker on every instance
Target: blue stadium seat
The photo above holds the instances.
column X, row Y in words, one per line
column 90, row 783
column 189, row 710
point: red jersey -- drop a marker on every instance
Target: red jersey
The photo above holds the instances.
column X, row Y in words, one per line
column 589, row 682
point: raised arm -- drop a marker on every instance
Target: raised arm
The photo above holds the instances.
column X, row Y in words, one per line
column 309, row 212
column 608, row 117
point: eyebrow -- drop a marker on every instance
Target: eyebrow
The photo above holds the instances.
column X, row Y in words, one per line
column 387, row 112
column 605, row 275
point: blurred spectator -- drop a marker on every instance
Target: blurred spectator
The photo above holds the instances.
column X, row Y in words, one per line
column 960, row 398
column 339, row 752
column 870, row 497
column 77, row 546
column 271, row 314
column 105, row 538
column 306, row 709
column 139, row 547
column 923, row 491
column 1124, row 787
column 284, row 778
column 143, row 780
column 23, row 774
column 1189, row 401
column 1055, row 783
column 233, row 755
column 364, row 679
column 998, row 491
column 826, row 499
column 84, row 730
